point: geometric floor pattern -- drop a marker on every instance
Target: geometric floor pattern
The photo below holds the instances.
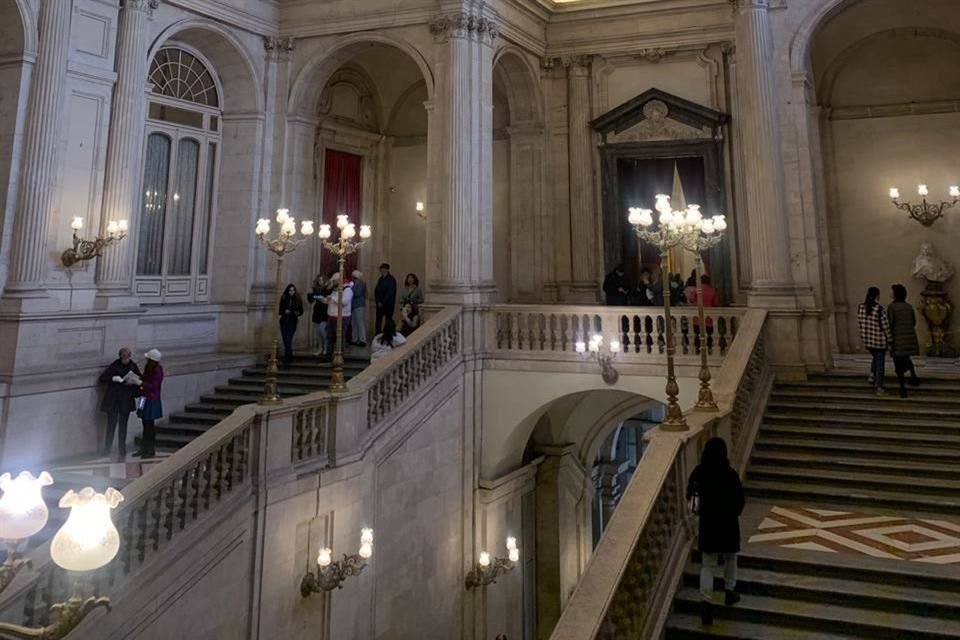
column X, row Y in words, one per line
column 892, row 537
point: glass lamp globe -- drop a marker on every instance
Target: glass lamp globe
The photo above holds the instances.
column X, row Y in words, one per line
column 23, row 512
column 87, row 540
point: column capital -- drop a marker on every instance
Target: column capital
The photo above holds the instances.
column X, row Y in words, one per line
column 578, row 65
column 140, row 5
column 278, row 49
column 464, row 24
column 750, row 4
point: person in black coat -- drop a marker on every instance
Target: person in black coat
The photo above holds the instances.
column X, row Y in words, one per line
column 385, row 295
column 717, row 495
column 118, row 401
column 615, row 287
column 291, row 308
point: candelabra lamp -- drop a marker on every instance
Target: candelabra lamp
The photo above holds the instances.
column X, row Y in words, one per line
column 341, row 248
column 702, row 234
column 280, row 246
column 83, row 249
column 332, row 574
column 487, row 569
column 926, row 213
column 594, row 351
column 87, row 541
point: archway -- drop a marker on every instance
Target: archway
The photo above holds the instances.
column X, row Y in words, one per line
column 520, row 269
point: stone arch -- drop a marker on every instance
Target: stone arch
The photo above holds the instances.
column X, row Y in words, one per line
column 18, row 34
column 804, row 35
column 519, row 79
column 231, row 63
column 316, row 71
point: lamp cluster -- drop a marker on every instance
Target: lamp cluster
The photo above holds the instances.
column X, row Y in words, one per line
column 926, row 213
column 87, row 541
column 331, row 574
column 488, row 569
column 89, row 249
column 594, row 351
column 675, row 227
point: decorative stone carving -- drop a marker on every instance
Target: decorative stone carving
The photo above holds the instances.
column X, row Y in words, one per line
column 464, row 25
column 333, row 99
column 278, row 49
column 935, row 306
column 931, row 267
column 657, row 125
column 652, row 55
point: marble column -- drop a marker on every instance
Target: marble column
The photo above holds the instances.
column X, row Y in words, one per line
column 760, row 137
column 583, row 218
column 41, row 152
column 121, row 199
column 464, row 104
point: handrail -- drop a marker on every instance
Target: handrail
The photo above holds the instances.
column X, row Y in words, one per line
column 626, row 588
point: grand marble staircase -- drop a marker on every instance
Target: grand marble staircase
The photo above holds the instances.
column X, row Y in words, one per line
column 831, row 443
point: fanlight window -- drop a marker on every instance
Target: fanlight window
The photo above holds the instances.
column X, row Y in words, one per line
column 176, row 73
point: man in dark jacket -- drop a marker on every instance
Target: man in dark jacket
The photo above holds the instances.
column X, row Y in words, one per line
column 385, row 295
column 615, row 287
column 119, row 400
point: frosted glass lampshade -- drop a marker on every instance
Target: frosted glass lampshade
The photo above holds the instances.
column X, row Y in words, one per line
column 283, row 215
column 22, row 509
column 87, row 540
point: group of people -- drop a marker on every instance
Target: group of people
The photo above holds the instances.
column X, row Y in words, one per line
column 129, row 389
column 890, row 330
column 330, row 304
column 649, row 291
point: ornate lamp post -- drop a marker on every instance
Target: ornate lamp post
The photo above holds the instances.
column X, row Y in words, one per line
column 332, row 574
column 702, row 235
column 280, row 246
column 487, row 569
column 343, row 247
column 89, row 249
column 926, row 213
column 594, row 351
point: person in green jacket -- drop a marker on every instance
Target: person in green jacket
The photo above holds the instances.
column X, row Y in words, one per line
column 903, row 328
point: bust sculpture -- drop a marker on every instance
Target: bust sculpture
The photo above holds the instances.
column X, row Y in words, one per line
column 931, row 267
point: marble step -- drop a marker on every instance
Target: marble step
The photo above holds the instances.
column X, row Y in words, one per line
column 195, row 418
column 856, row 447
column 866, row 420
column 805, row 477
column 851, row 433
column 907, row 499
column 887, row 408
column 687, row 626
column 906, row 467
column 866, row 398
column 928, row 388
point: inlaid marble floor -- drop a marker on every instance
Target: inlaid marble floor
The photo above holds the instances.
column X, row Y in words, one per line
column 880, row 536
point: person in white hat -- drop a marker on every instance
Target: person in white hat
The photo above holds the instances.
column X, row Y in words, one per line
column 152, row 409
column 358, row 321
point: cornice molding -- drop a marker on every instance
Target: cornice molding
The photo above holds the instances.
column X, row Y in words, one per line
column 227, row 13
column 464, row 24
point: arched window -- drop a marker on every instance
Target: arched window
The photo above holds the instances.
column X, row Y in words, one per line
column 179, row 179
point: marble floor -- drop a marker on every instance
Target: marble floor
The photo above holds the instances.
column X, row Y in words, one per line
column 104, row 468
column 882, row 536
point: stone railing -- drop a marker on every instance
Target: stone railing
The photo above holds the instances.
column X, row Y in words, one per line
column 628, row 586
column 640, row 330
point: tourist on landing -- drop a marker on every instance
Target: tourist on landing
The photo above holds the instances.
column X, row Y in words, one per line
column 875, row 336
column 903, row 327
column 409, row 319
column 152, row 409
column 643, row 295
column 385, row 296
column 709, row 293
column 122, row 378
column 655, row 289
column 291, row 308
column 412, row 293
column 615, row 287
column 333, row 311
column 316, row 297
column 385, row 342
column 358, row 319
column 717, row 496
column 676, row 290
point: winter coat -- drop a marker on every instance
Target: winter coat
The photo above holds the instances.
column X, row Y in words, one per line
column 874, row 328
column 150, row 387
column 333, row 309
column 615, row 288
column 316, row 297
column 359, row 293
column 119, row 397
column 292, row 304
column 903, row 323
column 385, row 293
column 721, row 500
column 413, row 297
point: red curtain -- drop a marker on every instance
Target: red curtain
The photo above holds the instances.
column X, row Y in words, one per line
column 342, row 193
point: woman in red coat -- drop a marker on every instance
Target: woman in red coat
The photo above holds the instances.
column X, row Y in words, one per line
column 152, row 380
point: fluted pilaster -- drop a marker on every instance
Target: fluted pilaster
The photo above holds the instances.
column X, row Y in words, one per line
column 121, row 197
column 582, row 205
column 760, row 132
column 28, row 260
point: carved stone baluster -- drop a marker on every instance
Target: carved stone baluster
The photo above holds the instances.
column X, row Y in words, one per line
column 298, row 436
column 156, row 517
column 196, row 474
column 514, row 324
column 182, row 499
column 320, row 431
column 206, row 484
column 228, row 464
column 140, row 536
column 219, row 483
column 128, row 534
column 169, row 507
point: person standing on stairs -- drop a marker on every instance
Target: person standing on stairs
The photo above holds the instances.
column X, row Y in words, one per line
column 119, row 400
column 385, row 296
column 875, row 336
column 358, row 321
column 334, row 311
column 903, row 326
column 152, row 409
column 291, row 308
column 316, row 296
column 717, row 496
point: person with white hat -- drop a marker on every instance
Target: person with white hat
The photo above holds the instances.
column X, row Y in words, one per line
column 152, row 409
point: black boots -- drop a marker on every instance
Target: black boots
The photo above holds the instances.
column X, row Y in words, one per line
column 706, row 613
column 732, row 598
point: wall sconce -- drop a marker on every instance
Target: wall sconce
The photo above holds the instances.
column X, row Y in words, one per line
column 594, row 351
column 89, row 249
column 926, row 213
column 87, row 541
column 421, row 213
column 487, row 571
column 332, row 574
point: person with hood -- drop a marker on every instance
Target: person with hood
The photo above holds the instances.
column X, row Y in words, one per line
column 358, row 319
column 903, row 328
column 291, row 308
column 119, row 400
column 715, row 491
column 615, row 287
column 334, row 311
column 151, row 383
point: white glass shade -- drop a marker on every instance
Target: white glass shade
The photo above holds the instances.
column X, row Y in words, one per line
column 365, row 231
column 366, row 536
column 22, row 509
column 693, row 214
column 324, row 232
column 419, row 206
column 77, row 224
column 720, row 223
column 484, row 559
column 349, row 231
column 955, row 192
column 894, row 193
column 634, row 216
column 663, row 203
column 366, row 550
column 614, row 346
column 581, row 346
column 263, row 226
column 707, row 227
column 511, row 543
column 124, row 226
column 112, row 227
column 325, row 557
column 666, row 218
column 514, row 555
column 342, row 221
column 922, row 190
column 289, row 227
column 283, row 215
column 87, row 540
column 306, row 227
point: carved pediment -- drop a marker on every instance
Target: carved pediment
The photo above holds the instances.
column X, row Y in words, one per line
column 657, row 115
